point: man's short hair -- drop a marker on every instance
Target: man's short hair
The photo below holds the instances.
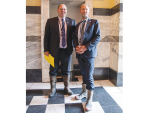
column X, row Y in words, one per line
column 84, row 4
column 58, row 6
column 61, row 4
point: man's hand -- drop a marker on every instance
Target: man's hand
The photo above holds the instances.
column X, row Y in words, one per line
column 46, row 53
column 81, row 49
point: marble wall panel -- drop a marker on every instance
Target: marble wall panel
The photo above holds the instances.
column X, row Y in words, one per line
column 120, row 58
column 45, row 75
column 104, row 22
column 115, row 24
column 30, row 24
column 121, row 26
column 33, row 55
column 105, row 38
column 114, row 50
column 103, row 50
column 113, row 44
column 33, row 24
column 33, row 39
column 45, row 7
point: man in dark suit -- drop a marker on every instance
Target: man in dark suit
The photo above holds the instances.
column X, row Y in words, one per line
column 58, row 42
column 87, row 35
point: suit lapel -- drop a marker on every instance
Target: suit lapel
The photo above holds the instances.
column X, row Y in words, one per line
column 57, row 28
column 88, row 23
column 68, row 23
column 77, row 28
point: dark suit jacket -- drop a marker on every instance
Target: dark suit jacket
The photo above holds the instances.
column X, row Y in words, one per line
column 52, row 36
column 91, row 38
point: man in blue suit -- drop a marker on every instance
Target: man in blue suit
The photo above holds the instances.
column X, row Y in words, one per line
column 87, row 36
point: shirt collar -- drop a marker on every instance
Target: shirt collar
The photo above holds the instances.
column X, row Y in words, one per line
column 61, row 18
column 85, row 19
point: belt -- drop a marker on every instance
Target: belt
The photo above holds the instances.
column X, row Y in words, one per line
column 63, row 48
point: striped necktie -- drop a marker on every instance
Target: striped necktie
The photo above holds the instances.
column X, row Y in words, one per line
column 82, row 32
column 63, row 33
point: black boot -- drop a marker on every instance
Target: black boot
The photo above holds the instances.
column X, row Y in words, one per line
column 66, row 80
column 53, row 86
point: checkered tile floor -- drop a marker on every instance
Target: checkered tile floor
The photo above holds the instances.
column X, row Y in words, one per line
column 107, row 98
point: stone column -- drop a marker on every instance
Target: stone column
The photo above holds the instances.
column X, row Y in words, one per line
column 116, row 46
column 45, row 8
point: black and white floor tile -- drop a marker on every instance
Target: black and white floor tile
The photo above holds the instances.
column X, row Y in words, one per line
column 107, row 98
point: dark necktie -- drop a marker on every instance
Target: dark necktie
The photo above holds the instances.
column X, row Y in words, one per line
column 82, row 31
column 63, row 33
column 83, row 23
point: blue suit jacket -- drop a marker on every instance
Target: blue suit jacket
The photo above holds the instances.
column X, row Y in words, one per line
column 91, row 38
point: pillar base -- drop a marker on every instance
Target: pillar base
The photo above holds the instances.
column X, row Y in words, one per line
column 115, row 77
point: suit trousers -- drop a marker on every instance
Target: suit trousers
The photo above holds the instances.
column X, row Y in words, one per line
column 65, row 59
column 87, row 70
